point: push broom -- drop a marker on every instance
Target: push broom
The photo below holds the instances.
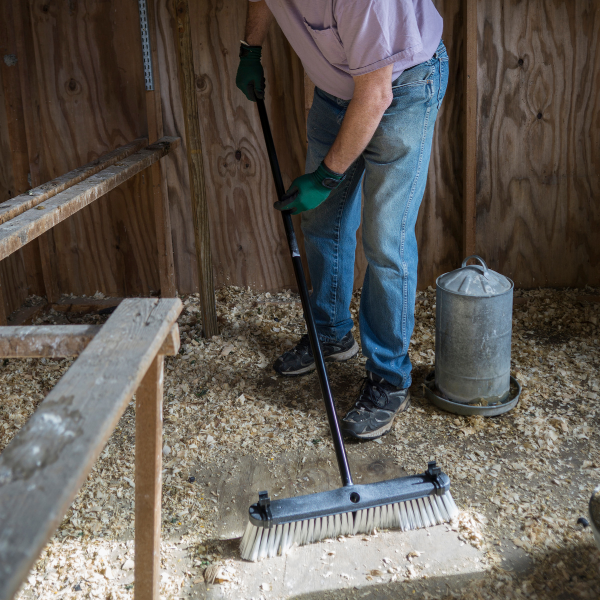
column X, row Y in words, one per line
column 406, row 503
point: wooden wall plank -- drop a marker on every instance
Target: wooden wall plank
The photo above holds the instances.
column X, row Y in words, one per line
column 20, row 274
column 439, row 226
column 469, row 60
column 539, row 96
column 248, row 243
column 89, row 81
column 536, row 188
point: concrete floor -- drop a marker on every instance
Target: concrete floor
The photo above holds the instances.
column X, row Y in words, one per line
column 375, row 567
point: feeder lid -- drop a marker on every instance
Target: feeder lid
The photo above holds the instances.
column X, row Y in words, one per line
column 474, row 280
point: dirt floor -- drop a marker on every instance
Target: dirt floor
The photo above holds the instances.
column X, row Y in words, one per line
column 522, row 480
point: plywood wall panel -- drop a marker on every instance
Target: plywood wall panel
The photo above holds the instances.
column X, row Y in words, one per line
column 90, row 91
column 439, row 226
column 20, row 273
column 538, row 145
column 539, row 139
column 248, row 242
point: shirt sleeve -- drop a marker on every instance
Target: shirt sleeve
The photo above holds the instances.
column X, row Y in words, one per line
column 376, row 33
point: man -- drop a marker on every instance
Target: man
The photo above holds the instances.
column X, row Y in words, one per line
column 380, row 71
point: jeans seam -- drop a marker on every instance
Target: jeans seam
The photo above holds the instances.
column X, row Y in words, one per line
column 339, row 215
column 403, row 230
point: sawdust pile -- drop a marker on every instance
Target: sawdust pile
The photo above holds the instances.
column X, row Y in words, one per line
column 522, row 479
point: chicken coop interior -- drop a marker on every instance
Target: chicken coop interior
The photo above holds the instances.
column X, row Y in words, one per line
column 146, row 289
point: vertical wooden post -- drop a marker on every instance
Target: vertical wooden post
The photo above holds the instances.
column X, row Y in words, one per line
column 158, row 172
column 193, row 142
column 148, row 482
column 470, row 141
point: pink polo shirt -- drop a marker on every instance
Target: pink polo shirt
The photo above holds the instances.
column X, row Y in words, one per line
column 339, row 39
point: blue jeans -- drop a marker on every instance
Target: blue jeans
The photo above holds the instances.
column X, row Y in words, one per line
column 392, row 172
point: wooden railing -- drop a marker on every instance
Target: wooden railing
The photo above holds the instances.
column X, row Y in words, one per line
column 44, row 466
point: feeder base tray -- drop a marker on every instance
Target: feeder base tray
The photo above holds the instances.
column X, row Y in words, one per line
column 472, row 409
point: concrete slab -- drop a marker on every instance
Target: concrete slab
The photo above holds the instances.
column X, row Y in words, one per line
column 388, row 564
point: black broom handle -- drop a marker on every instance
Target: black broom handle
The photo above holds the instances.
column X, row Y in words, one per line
column 338, row 443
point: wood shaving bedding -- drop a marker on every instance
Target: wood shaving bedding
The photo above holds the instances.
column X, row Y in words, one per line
column 522, row 479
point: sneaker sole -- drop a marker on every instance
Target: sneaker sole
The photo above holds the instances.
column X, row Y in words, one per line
column 377, row 433
column 337, row 357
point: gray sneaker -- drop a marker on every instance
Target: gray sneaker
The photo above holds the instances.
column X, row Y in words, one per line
column 299, row 360
column 373, row 414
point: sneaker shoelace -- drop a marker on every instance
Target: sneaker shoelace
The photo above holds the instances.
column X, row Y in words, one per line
column 372, row 396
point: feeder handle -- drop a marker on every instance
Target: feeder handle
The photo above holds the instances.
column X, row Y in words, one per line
column 483, row 265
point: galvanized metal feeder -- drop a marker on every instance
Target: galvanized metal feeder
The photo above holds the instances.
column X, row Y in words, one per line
column 473, row 331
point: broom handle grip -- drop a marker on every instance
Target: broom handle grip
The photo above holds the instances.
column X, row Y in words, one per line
column 338, row 443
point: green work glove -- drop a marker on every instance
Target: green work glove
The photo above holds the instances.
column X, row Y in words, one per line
column 250, row 76
column 310, row 190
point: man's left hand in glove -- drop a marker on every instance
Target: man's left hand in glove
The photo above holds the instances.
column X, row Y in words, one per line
column 310, row 190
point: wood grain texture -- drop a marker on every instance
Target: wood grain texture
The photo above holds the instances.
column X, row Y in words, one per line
column 469, row 58
column 439, row 226
column 46, row 463
column 27, row 226
column 200, row 220
column 19, row 204
column 20, row 275
column 86, row 78
column 45, row 341
column 247, row 238
column 158, row 172
column 538, row 209
column 148, row 481
column 60, row 341
column 6, row 183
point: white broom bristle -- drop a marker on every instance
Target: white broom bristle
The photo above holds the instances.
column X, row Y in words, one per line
column 259, row 542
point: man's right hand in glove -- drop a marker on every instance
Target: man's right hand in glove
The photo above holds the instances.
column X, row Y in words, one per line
column 250, row 76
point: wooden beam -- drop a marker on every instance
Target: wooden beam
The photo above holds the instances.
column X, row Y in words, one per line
column 158, row 172
column 25, row 314
column 46, row 341
column 148, row 482
column 470, row 140
column 48, row 460
column 187, row 81
column 19, row 204
column 62, row 341
column 31, row 224
column 85, row 305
